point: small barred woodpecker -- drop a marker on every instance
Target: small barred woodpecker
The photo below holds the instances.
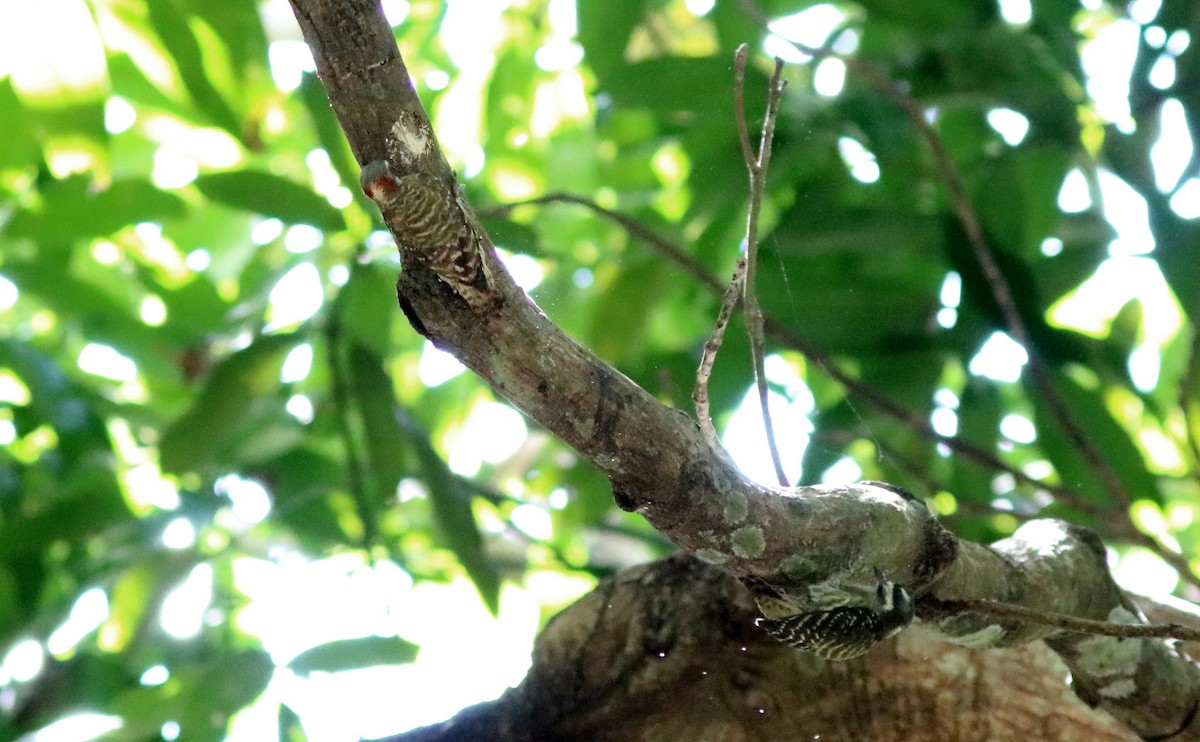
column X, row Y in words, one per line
column 844, row 632
column 430, row 225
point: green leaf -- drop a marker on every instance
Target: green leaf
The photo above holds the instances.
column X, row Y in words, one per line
column 18, row 146
column 387, row 426
column 1107, row 436
column 271, row 195
column 352, row 654
column 232, row 396
column 604, row 29
column 301, row 480
column 367, row 307
column 172, row 24
column 220, row 686
column 316, row 102
column 72, row 210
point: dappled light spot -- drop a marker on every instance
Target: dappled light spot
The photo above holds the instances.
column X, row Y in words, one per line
column 1074, row 197
column 859, row 160
column 182, row 612
column 302, row 238
column 491, row 433
column 999, row 358
column 1108, row 60
column 1018, row 428
column 198, row 260
column 1127, row 212
column 297, row 364
column 1185, row 202
column 289, row 60
column 153, row 311
column 154, row 675
column 829, row 77
column 1016, row 12
column 249, row 500
column 1090, row 307
column 1172, row 151
column 172, row 168
column 265, row 231
column 89, row 611
column 24, row 660
column 944, row 421
column 77, row 728
column 526, row 271
column 296, row 297
column 745, row 439
column 180, row 533
column 300, row 407
column 8, row 294
column 1143, row 572
column 810, row 27
column 436, row 366
column 844, row 471
column 119, row 115
column 1011, row 125
column 107, row 362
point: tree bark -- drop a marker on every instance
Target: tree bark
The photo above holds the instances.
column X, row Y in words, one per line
column 669, row 651
column 805, row 542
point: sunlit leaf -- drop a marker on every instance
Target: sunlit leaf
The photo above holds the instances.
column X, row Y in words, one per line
column 270, row 195
column 350, row 654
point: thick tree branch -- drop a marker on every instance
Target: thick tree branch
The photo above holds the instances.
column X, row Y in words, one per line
column 808, row 541
column 623, row 661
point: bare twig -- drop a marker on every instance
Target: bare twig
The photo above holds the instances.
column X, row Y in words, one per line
column 739, row 106
column 756, row 166
column 930, row 608
column 635, row 228
column 712, row 346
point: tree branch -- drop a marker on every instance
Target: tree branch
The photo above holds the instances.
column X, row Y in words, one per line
column 809, row 541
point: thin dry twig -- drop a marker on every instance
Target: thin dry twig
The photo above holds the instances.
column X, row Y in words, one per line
column 665, row 247
column 756, row 167
column 711, row 347
column 931, row 608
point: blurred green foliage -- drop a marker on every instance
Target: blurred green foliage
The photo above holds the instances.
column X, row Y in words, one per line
column 156, row 195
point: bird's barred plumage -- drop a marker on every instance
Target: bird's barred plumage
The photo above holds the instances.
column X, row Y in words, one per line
column 840, row 633
column 429, row 224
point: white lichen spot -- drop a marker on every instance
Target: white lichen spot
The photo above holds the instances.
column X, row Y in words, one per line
column 413, row 140
column 712, row 556
column 736, row 507
column 1122, row 688
column 986, row 638
column 748, row 542
column 798, row 567
column 1108, row 656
